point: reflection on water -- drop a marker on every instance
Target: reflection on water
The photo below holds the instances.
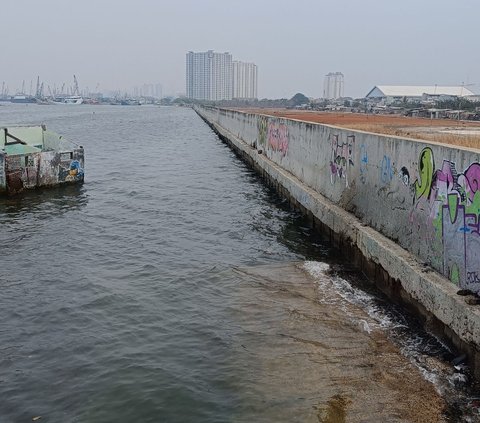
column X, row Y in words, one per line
column 52, row 201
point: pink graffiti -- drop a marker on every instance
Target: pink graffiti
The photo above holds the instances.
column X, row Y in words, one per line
column 278, row 137
column 472, row 175
column 453, row 203
column 465, row 185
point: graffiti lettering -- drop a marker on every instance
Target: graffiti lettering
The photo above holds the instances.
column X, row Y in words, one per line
column 278, row 137
column 386, row 170
column 341, row 157
column 472, row 277
column 451, row 202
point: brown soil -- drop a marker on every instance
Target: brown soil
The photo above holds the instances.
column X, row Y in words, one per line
column 418, row 128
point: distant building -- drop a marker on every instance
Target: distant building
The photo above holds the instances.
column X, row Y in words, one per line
column 209, row 76
column 333, row 85
column 244, row 80
column 391, row 93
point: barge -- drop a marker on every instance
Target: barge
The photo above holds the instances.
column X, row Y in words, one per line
column 32, row 157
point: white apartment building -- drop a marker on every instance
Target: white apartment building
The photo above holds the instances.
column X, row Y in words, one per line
column 209, row 76
column 244, row 80
column 333, row 85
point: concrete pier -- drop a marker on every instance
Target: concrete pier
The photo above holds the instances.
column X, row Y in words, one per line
column 406, row 212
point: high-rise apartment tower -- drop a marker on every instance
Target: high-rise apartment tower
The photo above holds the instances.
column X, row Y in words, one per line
column 209, row 76
column 244, row 80
column 333, row 85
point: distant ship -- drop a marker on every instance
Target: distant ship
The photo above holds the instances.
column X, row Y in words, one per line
column 22, row 98
column 130, row 102
column 72, row 99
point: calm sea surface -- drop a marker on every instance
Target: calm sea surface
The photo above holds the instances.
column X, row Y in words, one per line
column 174, row 286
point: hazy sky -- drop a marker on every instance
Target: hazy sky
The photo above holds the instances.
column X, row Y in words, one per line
column 117, row 44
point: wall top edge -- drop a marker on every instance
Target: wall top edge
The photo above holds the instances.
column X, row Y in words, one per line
column 358, row 131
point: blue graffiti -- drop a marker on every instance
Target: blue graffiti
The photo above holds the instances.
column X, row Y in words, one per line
column 74, row 172
column 386, row 170
column 363, row 163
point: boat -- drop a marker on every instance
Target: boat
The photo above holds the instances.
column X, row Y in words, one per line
column 34, row 157
column 72, row 99
column 130, row 102
column 22, row 98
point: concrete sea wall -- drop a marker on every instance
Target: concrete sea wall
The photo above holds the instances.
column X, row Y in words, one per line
column 409, row 208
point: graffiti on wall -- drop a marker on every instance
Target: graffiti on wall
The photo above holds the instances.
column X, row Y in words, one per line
column 342, row 154
column 452, row 201
column 404, row 176
column 278, row 137
column 363, row 163
column 426, row 165
column 262, row 127
column 72, row 173
column 387, row 170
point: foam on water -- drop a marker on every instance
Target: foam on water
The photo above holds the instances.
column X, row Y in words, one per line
column 338, row 290
column 423, row 350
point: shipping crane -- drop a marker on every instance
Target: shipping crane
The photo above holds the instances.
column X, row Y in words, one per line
column 75, row 86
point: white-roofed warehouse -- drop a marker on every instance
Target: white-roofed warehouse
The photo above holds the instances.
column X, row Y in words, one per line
column 391, row 93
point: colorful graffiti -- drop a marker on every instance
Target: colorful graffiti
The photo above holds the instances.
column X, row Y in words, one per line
column 389, row 171
column 426, row 165
column 452, row 201
column 341, row 157
column 278, row 137
column 73, row 173
column 262, row 127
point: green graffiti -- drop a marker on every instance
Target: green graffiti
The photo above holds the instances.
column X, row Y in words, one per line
column 453, row 201
column 262, row 126
column 438, row 225
column 474, row 207
column 425, row 174
column 455, row 274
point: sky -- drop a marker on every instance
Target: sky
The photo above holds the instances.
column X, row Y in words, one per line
column 119, row 44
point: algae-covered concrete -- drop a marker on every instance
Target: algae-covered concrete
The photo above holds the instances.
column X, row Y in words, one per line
column 407, row 206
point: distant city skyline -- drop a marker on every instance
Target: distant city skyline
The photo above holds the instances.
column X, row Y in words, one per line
column 372, row 42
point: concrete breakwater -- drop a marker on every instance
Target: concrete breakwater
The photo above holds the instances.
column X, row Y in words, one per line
column 406, row 212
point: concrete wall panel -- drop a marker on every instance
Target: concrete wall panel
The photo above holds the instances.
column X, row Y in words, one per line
column 424, row 196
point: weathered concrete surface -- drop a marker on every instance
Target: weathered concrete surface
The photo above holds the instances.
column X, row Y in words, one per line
column 373, row 210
